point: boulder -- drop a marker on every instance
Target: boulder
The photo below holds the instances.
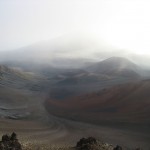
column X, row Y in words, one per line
column 91, row 143
column 118, row 147
column 10, row 142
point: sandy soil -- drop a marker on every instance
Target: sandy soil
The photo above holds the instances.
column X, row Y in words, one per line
column 64, row 132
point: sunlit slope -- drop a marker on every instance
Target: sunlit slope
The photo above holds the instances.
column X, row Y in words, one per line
column 19, row 94
column 17, row 78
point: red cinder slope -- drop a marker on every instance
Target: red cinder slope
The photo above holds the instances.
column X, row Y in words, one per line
column 122, row 103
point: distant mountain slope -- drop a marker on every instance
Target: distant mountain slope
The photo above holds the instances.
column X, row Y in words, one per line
column 115, row 66
column 65, row 51
column 20, row 93
column 73, row 82
column 16, row 78
column 8, row 72
column 128, row 103
column 109, row 72
column 84, row 79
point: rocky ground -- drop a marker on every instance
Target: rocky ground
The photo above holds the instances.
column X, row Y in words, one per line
column 11, row 142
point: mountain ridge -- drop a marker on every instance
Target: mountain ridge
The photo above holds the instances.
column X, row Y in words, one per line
column 115, row 65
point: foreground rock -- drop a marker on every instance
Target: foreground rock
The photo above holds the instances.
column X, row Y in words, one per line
column 90, row 143
column 93, row 144
column 10, row 142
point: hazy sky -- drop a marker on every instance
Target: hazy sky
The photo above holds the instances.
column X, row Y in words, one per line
column 123, row 23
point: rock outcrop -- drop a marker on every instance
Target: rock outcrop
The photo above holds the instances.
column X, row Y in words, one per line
column 10, row 142
column 91, row 143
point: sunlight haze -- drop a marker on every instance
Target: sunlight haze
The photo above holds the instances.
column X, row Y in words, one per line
column 122, row 24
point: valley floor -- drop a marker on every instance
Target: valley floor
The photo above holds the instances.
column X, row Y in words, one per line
column 63, row 132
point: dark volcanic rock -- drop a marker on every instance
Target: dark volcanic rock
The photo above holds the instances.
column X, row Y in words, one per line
column 10, row 142
column 92, row 144
column 86, row 141
column 118, row 147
